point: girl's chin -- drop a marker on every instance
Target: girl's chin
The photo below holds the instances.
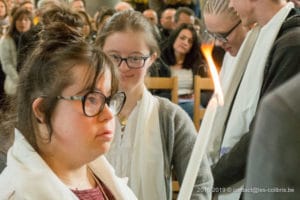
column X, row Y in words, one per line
column 103, row 149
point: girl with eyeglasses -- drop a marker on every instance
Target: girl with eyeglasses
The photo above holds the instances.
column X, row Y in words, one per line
column 224, row 25
column 225, row 28
column 154, row 137
column 66, row 102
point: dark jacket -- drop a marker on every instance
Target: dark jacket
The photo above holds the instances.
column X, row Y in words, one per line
column 282, row 64
column 160, row 69
column 276, row 166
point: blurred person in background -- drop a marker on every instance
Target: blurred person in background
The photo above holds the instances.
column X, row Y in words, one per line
column 184, row 15
column 121, row 6
column 160, row 5
column 49, row 11
column 4, row 17
column 166, row 23
column 78, row 5
column 4, row 24
column 10, row 46
column 87, row 30
column 104, row 14
column 29, row 5
column 151, row 15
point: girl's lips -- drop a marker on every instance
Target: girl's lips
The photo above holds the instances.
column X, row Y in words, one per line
column 107, row 135
column 125, row 76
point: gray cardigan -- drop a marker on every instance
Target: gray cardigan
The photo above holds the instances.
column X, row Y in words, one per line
column 178, row 138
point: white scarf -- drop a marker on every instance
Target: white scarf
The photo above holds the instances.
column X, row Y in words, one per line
column 143, row 159
column 247, row 97
column 246, row 100
column 29, row 177
column 230, row 76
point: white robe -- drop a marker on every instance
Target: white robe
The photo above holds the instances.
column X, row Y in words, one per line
column 27, row 176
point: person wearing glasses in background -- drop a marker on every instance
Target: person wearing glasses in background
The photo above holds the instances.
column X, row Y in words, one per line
column 223, row 25
column 66, row 103
column 153, row 136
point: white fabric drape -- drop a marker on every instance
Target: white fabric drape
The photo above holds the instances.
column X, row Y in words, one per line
column 137, row 152
column 29, row 177
column 231, row 74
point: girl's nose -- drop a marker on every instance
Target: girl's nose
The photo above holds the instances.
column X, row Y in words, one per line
column 106, row 114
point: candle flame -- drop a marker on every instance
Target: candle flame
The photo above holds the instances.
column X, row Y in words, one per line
column 207, row 49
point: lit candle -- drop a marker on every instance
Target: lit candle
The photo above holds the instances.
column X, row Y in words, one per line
column 207, row 51
column 203, row 137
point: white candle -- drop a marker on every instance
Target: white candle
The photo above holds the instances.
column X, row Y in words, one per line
column 198, row 152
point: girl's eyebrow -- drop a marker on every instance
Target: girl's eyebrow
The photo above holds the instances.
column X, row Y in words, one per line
column 108, row 94
column 83, row 91
column 112, row 51
column 117, row 52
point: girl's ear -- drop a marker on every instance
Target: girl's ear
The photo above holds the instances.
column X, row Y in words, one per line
column 36, row 108
column 153, row 57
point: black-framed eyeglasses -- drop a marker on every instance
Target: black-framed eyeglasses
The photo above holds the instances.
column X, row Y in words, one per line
column 223, row 36
column 133, row 62
column 93, row 102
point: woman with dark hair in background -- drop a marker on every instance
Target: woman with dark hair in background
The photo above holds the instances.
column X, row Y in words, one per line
column 182, row 53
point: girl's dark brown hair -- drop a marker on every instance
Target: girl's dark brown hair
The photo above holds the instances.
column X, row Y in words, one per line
column 49, row 70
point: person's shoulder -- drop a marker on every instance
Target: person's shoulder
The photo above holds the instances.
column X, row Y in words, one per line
column 6, row 42
column 172, row 111
column 168, row 108
column 286, row 95
column 5, row 38
column 292, row 24
column 166, row 104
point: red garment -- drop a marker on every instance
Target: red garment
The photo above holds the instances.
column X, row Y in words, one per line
column 94, row 194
